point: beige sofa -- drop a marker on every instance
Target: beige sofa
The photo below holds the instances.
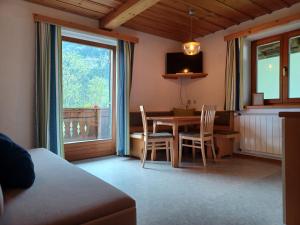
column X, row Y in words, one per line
column 63, row 194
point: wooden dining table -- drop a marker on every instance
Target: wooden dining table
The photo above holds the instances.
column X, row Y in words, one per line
column 175, row 122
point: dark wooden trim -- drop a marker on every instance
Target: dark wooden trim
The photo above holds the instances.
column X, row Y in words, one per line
column 254, row 45
column 95, row 148
column 64, row 23
column 262, row 27
column 290, row 114
column 287, row 36
column 274, row 106
column 85, row 150
column 284, row 62
column 85, row 42
column 184, row 75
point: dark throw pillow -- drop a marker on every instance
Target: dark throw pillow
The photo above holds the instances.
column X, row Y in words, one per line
column 1, row 202
column 16, row 166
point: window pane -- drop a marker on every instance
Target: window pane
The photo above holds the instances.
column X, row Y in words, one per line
column 294, row 66
column 86, row 92
column 268, row 67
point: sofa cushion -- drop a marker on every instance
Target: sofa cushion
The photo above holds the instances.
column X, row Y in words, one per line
column 64, row 194
column 1, row 202
column 16, row 167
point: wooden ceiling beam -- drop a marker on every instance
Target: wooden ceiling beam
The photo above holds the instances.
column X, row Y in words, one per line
column 125, row 12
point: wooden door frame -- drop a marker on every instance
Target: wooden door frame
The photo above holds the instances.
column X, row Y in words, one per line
column 95, row 148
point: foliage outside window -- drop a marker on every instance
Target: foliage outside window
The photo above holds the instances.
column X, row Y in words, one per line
column 86, row 76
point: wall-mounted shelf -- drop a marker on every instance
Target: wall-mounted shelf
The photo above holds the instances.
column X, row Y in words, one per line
column 184, row 75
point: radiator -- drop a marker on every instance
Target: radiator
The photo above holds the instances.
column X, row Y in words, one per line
column 260, row 134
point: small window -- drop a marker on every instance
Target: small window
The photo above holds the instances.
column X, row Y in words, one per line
column 268, row 70
column 294, row 65
column 276, row 68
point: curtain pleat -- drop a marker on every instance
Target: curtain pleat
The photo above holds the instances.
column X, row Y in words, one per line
column 234, row 76
column 124, row 79
column 49, row 131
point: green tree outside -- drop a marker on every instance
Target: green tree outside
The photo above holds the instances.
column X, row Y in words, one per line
column 86, row 76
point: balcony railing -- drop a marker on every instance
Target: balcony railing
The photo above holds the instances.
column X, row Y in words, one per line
column 82, row 124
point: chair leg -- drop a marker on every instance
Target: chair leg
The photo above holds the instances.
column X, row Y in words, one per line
column 145, row 154
column 167, row 150
column 171, row 150
column 213, row 148
column 194, row 150
column 203, row 152
column 180, row 149
column 153, row 153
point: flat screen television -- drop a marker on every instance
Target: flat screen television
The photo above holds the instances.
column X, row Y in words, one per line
column 178, row 62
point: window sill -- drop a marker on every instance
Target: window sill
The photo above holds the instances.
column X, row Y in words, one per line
column 282, row 106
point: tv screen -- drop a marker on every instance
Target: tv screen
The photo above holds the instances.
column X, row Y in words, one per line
column 178, row 62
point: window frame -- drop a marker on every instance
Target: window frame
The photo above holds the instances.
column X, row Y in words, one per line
column 95, row 148
column 287, row 36
column 283, row 38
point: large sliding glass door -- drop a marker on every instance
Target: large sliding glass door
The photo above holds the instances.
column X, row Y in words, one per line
column 88, row 98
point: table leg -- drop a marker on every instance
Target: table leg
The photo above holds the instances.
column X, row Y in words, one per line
column 175, row 158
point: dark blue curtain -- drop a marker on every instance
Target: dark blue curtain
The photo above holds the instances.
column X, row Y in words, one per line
column 124, row 79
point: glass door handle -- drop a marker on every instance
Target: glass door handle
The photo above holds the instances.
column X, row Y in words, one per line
column 284, row 71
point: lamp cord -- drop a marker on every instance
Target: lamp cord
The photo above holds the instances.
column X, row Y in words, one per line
column 191, row 33
column 180, row 93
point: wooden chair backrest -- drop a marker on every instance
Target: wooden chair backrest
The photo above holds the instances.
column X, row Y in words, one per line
column 144, row 119
column 207, row 119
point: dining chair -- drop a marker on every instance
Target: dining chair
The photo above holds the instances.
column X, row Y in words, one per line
column 155, row 141
column 202, row 138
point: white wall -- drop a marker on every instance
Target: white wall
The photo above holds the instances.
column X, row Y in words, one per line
column 17, row 47
column 148, row 87
column 211, row 90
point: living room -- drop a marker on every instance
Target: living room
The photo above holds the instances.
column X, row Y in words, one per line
column 244, row 186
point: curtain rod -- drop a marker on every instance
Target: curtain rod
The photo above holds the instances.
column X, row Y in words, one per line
column 64, row 23
column 261, row 27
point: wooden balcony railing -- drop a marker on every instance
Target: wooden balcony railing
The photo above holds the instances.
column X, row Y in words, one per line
column 82, row 124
